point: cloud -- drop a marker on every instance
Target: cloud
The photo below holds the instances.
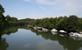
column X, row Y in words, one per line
column 42, row 7
column 62, row 3
column 57, row 2
column 70, row 6
column 66, row 6
column 45, row 2
column 27, row 0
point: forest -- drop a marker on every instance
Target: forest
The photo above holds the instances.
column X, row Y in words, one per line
column 67, row 23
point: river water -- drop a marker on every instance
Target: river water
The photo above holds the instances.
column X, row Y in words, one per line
column 15, row 38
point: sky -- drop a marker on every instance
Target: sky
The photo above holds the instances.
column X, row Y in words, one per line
column 41, row 8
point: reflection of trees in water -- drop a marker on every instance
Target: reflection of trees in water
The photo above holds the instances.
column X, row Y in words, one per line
column 3, row 44
column 46, row 35
column 8, row 31
column 67, row 42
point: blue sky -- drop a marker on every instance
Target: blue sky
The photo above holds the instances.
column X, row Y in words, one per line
column 42, row 8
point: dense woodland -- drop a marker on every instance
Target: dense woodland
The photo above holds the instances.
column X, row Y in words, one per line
column 67, row 23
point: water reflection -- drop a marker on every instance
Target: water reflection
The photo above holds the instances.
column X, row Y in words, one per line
column 3, row 44
column 67, row 42
column 39, row 40
column 8, row 30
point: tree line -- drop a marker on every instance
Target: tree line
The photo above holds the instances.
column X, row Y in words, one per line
column 67, row 23
column 70, row 24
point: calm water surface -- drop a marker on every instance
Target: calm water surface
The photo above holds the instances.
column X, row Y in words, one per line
column 25, row 39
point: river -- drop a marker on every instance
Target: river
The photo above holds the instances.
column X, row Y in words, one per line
column 15, row 38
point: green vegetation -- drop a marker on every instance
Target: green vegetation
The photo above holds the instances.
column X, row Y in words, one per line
column 2, row 18
column 71, row 23
column 13, row 21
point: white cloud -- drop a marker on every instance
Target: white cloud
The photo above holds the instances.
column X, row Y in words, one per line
column 68, row 6
column 42, row 7
column 27, row 0
column 45, row 2
column 64, row 3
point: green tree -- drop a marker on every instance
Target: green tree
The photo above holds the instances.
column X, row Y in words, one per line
column 70, row 24
column 1, row 9
column 2, row 18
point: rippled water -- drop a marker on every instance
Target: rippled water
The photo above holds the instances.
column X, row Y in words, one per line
column 26, row 39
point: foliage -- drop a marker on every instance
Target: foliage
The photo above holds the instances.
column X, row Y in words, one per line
column 3, row 21
column 1, row 9
column 70, row 24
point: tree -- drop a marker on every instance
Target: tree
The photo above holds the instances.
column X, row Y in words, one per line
column 2, row 18
column 70, row 24
column 1, row 9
